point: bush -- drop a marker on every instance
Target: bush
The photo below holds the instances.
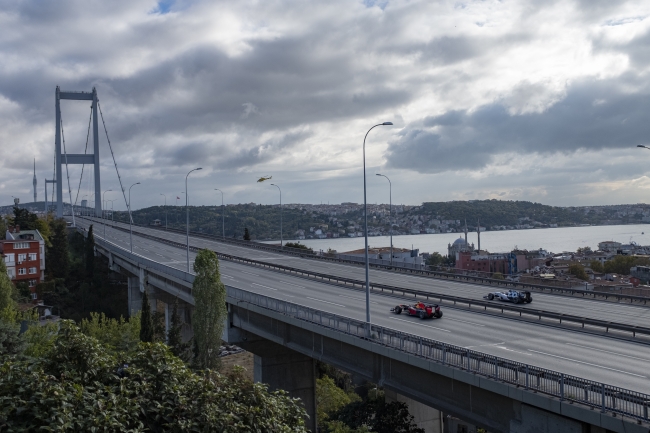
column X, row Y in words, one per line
column 578, row 271
column 83, row 385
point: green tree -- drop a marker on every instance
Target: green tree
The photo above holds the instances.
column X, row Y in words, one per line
column 584, row 250
column 11, row 343
column 58, row 259
column 378, row 416
column 174, row 336
column 620, row 265
column 596, row 266
column 90, row 254
column 247, row 235
column 83, row 385
column 435, row 259
column 117, row 334
column 6, row 288
column 3, row 227
column 578, row 271
column 497, row 276
column 330, row 398
column 210, row 308
column 25, row 219
column 146, row 321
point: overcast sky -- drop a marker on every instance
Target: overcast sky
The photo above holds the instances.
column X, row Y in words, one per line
column 527, row 100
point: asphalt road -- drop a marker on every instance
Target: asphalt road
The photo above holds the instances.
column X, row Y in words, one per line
column 603, row 359
column 631, row 314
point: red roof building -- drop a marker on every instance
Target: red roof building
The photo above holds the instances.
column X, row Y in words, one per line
column 24, row 256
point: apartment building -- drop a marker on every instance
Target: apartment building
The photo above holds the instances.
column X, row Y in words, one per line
column 24, row 255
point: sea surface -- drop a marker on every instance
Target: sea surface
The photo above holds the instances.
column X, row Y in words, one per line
column 553, row 240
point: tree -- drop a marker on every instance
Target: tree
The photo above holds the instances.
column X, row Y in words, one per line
column 11, row 343
column 174, row 336
column 578, row 271
column 84, row 385
column 146, row 322
column 378, row 416
column 620, row 265
column 90, row 254
column 58, row 259
column 584, row 250
column 25, row 219
column 435, row 259
column 6, row 288
column 596, row 266
column 330, row 398
column 497, row 276
column 247, row 235
column 210, row 308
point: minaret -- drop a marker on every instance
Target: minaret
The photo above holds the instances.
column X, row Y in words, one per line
column 466, row 244
column 34, row 181
column 478, row 230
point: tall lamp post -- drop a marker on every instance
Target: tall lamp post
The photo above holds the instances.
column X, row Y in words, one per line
column 223, row 218
column 104, row 206
column 165, row 210
column 112, row 212
column 280, row 213
column 187, row 207
column 390, row 214
column 365, row 216
column 131, row 219
column 82, row 199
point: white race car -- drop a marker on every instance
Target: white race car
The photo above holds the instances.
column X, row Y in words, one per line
column 513, row 296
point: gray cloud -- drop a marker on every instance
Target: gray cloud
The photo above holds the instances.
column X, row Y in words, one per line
column 594, row 115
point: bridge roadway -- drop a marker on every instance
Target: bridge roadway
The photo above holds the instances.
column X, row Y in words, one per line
column 608, row 360
column 631, row 314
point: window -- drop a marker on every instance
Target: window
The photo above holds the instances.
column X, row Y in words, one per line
column 9, row 259
column 21, row 245
column 22, row 271
column 32, row 283
column 32, row 270
column 22, row 257
column 11, row 272
column 34, row 296
column 32, row 256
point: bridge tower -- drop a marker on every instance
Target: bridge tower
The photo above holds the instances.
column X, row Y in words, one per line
column 76, row 158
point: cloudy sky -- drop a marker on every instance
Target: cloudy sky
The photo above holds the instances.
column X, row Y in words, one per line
column 517, row 100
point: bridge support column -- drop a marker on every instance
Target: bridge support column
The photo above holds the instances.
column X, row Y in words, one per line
column 425, row 417
column 283, row 368
column 135, row 296
column 529, row 419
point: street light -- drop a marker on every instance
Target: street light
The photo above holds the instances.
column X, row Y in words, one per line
column 130, row 218
column 223, row 219
column 103, row 206
column 165, row 210
column 112, row 212
column 365, row 216
column 187, row 206
column 390, row 214
column 82, row 199
column 280, row 213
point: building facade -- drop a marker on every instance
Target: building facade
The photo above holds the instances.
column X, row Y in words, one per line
column 24, row 256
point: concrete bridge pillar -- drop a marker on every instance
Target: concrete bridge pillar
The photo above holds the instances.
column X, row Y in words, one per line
column 283, row 368
column 425, row 417
column 135, row 296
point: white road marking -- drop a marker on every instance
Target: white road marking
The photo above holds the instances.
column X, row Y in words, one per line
column 465, row 321
column 428, row 326
column 327, row 302
column 357, row 299
column 266, row 287
column 249, row 273
column 487, row 345
column 291, row 284
column 510, row 350
column 607, row 351
column 586, row 363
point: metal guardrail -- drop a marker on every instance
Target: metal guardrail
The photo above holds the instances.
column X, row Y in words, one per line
column 566, row 387
column 415, row 294
column 434, row 274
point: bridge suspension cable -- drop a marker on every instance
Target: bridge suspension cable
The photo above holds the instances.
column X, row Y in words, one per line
column 67, row 172
column 113, row 155
column 85, row 153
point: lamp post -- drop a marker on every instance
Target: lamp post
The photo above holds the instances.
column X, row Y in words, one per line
column 280, row 213
column 131, row 219
column 112, row 212
column 187, row 207
column 223, row 218
column 82, row 199
column 103, row 206
column 365, row 216
column 165, row 210
column 390, row 213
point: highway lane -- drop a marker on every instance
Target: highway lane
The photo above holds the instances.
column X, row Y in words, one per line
column 617, row 362
column 632, row 314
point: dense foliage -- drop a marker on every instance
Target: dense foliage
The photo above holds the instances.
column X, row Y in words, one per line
column 80, row 384
column 209, row 310
column 578, row 271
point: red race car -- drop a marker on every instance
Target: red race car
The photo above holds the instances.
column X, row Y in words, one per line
column 420, row 309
